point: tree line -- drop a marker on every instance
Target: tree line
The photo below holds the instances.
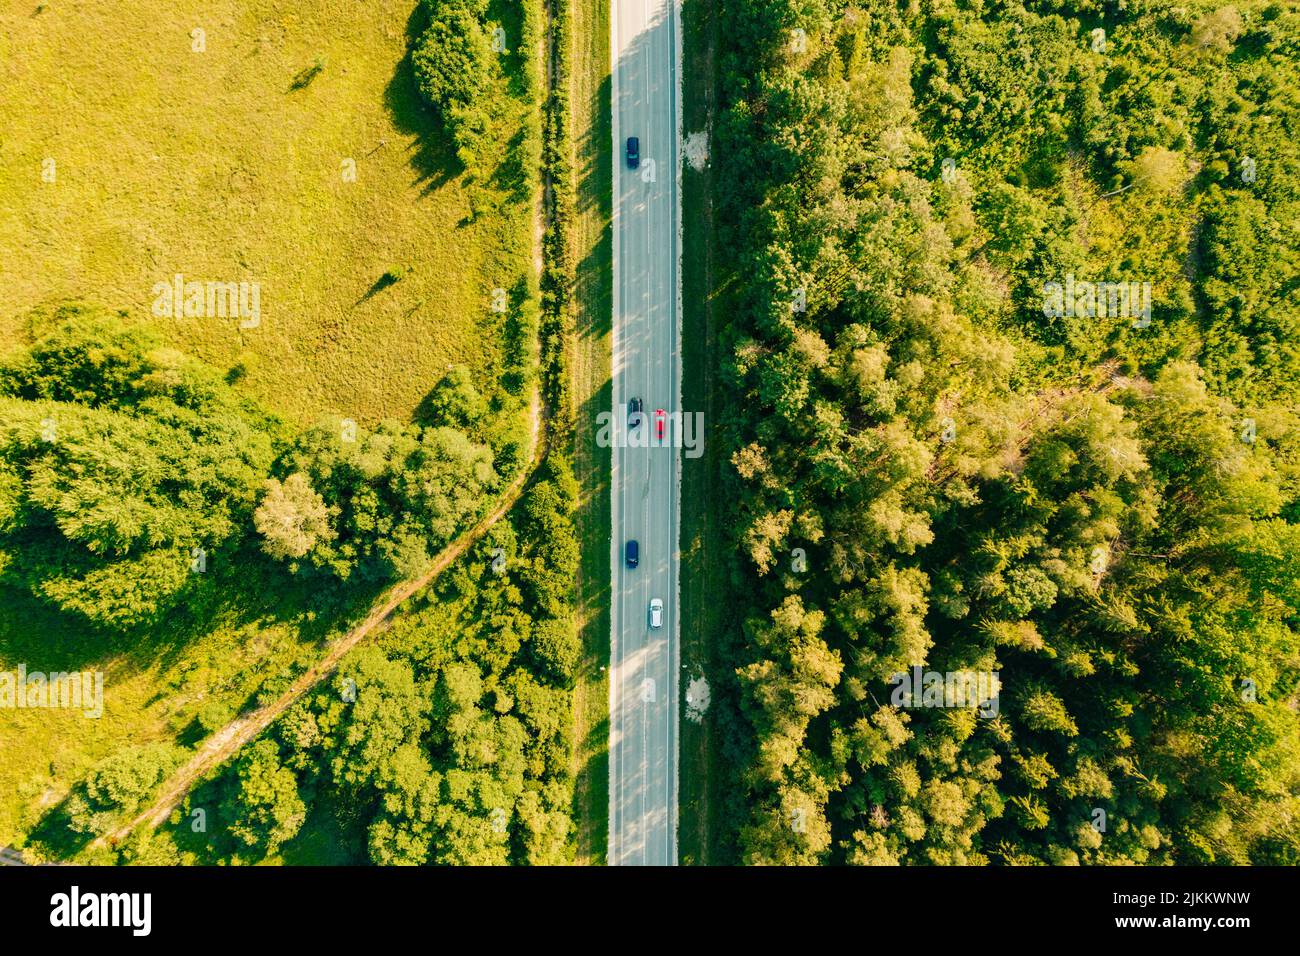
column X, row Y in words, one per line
column 125, row 466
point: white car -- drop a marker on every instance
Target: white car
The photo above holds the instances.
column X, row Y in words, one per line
column 656, row 612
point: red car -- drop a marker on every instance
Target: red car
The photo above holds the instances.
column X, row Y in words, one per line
column 661, row 419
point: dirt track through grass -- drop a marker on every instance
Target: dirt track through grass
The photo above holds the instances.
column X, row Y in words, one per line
column 217, row 748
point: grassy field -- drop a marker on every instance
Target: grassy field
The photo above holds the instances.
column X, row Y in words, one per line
column 212, row 165
column 590, row 364
column 227, row 165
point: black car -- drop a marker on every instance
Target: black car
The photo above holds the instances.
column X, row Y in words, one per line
column 634, row 414
column 633, row 552
column 633, row 152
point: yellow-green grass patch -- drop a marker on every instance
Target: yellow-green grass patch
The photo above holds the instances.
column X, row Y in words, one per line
column 208, row 164
column 156, row 682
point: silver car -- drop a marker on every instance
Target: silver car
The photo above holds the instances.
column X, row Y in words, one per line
column 656, row 612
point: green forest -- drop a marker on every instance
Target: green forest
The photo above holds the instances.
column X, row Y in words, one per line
column 1011, row 372
column 125, row 464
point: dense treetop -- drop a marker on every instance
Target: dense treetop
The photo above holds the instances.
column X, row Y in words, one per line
column 1096, row 507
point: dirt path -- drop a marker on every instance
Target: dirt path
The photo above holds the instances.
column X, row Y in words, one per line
column 11, row 857
column 241, row 730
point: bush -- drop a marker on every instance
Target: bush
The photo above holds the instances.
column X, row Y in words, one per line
column 558, row 649
column 117, row 786
column 214, row 715
column 452, row 62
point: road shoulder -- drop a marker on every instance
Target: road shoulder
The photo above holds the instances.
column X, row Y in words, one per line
column 591, row 351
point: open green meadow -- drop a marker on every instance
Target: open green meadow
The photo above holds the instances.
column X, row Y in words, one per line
column 234, row 164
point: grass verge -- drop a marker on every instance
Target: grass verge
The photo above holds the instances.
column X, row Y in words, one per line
column 704, row 551
column 591, row 350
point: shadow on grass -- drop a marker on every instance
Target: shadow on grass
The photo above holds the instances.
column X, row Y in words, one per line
column 385, row 281
column 306, row 76
column 329, row 836
column 244, row 589
column 431, row 156
column 594, row 182
column 242, row 593
column 513, row 176
column 53, row 838
column 509, row 14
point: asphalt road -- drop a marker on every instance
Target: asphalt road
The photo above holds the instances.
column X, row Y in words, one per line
column 645, row 480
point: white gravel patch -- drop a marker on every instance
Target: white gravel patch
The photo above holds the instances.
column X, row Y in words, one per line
column 697, row 150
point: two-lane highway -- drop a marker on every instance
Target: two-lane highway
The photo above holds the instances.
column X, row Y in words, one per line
column 645, row 481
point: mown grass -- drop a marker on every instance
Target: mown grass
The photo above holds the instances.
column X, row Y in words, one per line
column 212, row 165
column 591, row 390
column 226, row 165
